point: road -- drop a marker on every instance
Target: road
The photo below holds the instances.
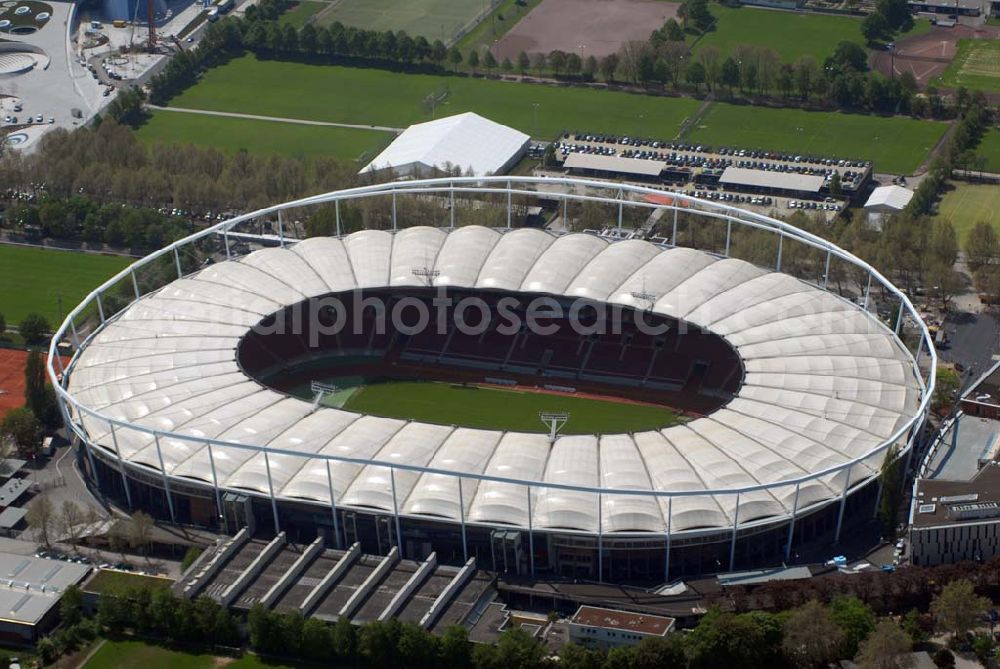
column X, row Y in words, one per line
column 278, row 119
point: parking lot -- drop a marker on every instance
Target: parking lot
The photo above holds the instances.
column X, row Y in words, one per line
column 699, row 168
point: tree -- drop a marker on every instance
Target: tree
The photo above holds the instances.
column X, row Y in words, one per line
column 942, row 280
column 945, row 389
column 40, row 518
column 24, row 430
column 39, row 395
column 574, row 65
column 455, row 58
column 750, row 640
column 730, row 74
column 957, row 608
column 34, row 327
column 523, row 62
column 71, row 606
column 849, row 56
column 489, row 61
column 308, row 38
column 695, row 15
column 140, row 528
column 659, row 653
column 3, row 325
column 887, row 647
column 507, row 65
column 855, row 618
column 673, row 31
column 836, row 189
column 590, row 68
column 557, row 61
column 891, row 481
column 874, row 28
column 438, row 52
column 70, row 519
column 473, row 60
column 608, row 66
column 982, row 246
column 812, row 639
column 695, row 74
column 455, row 651
column 190, row 555
column 515, row 649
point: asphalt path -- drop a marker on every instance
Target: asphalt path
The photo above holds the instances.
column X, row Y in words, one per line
column 278, row 119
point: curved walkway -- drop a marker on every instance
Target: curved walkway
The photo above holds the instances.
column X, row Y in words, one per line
column 278, row 119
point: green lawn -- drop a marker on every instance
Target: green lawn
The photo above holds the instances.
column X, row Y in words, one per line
column 381, row 97
column 967, row 204
column 791, row 34
column 290, row 139
column 301, row 11
column 33, row 280
column 434, row 19
column 107, row 580
column 895, row 145
column 976, row 66
column 138, row 654
column 500, row 409
column 990, row 147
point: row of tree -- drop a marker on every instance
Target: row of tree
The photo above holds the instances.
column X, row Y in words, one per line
column 812, row 635
column 73, row 175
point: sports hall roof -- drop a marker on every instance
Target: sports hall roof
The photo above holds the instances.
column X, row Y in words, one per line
column 742, row 176
column 467, row 140
column 825, row 383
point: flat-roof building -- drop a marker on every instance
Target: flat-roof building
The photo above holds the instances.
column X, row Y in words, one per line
column 30, row 590
column 596, row 626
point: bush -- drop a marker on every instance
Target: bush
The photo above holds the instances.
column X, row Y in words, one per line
column 190, row 556
column 944, row 658
column 34, row 328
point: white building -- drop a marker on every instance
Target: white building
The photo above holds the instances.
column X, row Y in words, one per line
column 467, row 141
column 889, row 199
column 607, row 628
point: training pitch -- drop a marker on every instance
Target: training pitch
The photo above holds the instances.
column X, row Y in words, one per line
column 990, row 147
column 381, row 97
column 34, row 280
column 791, row 34
column 433, row 19
column 129, row 653
column 289, row 139
column 895, row 145
column 967, row 204
column 489, row 407
column 976, row 65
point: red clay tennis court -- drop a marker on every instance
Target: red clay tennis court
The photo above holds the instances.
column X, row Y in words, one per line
column 12, row 362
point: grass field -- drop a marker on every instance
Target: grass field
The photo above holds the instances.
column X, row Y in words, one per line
column 107, row 580
column 501, row 409
column 896, row 145
column 791, row 34
column 990, row 147
column 289, row 139
column 496, row 25
column 434, row 19
column 967, row 204
column 381, row 97
column 300, row 12
column 33, row 280
column 976, row 65
column 138, row 654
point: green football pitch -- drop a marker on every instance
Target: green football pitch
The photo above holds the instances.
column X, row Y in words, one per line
column 491, row 407
column 967, row 204
column 133, row 654
column 433, row 19
column 894, row 144
column 370, row 96
column 231, row 134
column 35, row 280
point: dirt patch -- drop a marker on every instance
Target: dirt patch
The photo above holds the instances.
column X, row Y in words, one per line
column 12, row 362
column 585, row 27
column 927, row 56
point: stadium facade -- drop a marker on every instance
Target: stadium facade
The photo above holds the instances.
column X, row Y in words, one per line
column 182, row 403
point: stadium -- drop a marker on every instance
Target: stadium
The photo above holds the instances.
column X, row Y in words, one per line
column 680, row 411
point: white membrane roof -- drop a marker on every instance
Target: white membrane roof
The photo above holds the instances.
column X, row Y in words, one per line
column 824, row 384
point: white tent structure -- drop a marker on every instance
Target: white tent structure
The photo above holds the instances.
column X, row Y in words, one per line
column 467, row 140
column 889, row 199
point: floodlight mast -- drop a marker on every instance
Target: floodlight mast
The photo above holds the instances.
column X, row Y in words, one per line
column 555, row 421
column 427, row 274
